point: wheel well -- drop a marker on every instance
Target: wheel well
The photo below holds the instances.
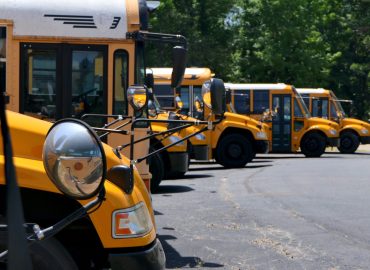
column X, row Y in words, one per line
column 312, row 132
column 47, row 208
column 243, row 132
column 349, row 131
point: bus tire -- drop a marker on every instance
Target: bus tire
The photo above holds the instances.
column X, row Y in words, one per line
column 46, row 254
column 234, row 151
column 349, row 143
column 313, row 145
column 156, row 168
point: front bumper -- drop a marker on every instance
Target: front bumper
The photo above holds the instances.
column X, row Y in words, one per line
column 333, row 142
column 152, row 259
column 179, row 161
column 365, row 139
column 262, row 147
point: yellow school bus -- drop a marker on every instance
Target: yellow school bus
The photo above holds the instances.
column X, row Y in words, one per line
column 235, row 140
column 291, row 125
column 68, row 59
column 98, row 213
column 323, row 103
column 118, row 232
column 61, row 63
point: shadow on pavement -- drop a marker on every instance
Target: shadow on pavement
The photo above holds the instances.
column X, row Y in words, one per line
column 258, row 166
column 166, row 189
column 222, row 168
column 298, row 157
column 261, row 161
column 355, row 154
column 191, row 176
column 174, row 260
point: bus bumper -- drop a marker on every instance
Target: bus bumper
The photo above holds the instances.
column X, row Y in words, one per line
column 365, row 139
column 200, row 152
column 333, row 142
column 262, row 147
column 152, row 259
column 179, row 161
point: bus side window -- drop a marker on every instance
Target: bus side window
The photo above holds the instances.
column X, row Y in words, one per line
column 2, row 59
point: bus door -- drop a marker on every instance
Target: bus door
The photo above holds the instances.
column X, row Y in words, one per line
column 320, row 107
column 281, row 123
column 61, row 80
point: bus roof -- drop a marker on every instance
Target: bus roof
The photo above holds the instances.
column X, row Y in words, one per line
column 68, row 18
column 312, row 91
column 192, row 75
column 258, row 86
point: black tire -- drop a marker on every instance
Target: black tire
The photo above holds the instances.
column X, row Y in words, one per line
column 156, row 168
column 349, row 143
column 313, row 145
column 46, row 254
column 234, row 151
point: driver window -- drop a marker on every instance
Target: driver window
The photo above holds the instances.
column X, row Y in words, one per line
column 333, row 111
column 120, row 82
column 297, row 109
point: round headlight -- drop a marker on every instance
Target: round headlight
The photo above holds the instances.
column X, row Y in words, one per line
column 137, row 96
column 74, row 159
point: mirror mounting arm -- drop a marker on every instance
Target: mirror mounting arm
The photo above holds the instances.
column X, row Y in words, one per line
column 157, row 37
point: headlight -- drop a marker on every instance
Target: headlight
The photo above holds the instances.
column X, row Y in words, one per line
column 200, row 136
column 332, row 131
column 131, row 222
column 74, row 159
column 364, row 131
column 261, row 135
column 175, row 139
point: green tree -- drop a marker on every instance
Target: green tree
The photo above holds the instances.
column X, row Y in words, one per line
column 205, row 24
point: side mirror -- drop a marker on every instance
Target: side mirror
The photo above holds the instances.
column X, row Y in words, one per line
column 213, row 92
column 228, row 96
column 74, row 159
column 137, row 96
column 178, row 103
column 179, row 65
column 149, row 80
column 152, row 110
column 198, row 105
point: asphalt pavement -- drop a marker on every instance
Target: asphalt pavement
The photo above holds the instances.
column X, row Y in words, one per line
column 282, row 211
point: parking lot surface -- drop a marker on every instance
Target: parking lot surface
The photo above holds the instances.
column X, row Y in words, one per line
column 282, row 211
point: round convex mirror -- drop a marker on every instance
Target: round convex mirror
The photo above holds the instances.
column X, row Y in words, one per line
column 74, row 159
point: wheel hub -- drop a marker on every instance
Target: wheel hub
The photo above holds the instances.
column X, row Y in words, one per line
column 234, row 150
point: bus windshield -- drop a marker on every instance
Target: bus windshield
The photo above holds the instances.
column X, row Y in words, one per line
column 338, row 105
column 300, row 101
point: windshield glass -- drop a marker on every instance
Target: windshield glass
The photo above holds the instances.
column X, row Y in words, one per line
column 156, row 103
column 338, row 106
column 300, row 101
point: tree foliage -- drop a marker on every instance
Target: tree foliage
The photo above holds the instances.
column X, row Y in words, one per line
column 321, row 43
